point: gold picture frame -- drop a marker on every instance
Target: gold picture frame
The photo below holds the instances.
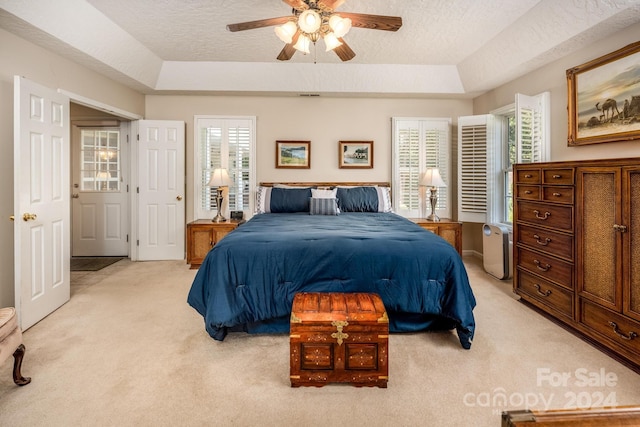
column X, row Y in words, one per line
column 604, row 98
column 355, row 154
column 293, row 154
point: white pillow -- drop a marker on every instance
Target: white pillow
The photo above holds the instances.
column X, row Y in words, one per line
column 323, row 194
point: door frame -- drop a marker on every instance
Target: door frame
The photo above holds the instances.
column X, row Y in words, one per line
column 133, row 158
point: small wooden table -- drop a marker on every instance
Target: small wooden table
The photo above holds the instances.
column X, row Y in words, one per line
column 202, row 236
column 449, row 230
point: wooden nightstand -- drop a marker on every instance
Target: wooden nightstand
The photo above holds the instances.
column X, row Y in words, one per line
column 449, row 230
column 202, row 235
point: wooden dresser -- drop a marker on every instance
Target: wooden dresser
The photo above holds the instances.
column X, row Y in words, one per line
column 202, row 235
column 449, row 230
column 576, row 255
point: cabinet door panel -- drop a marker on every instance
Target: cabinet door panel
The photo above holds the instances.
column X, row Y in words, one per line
column 598, row 251
column 632, row 243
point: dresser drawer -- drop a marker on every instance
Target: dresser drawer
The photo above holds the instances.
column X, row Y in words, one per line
column 550, row 295
column 560, row 217
column 614, row 326
column 562, row 176
column 528, row 176
column 557, row 244
column 552, row 269
column 530, row 192
column 558, row 194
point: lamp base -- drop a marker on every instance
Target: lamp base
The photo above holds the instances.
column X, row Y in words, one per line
column 218, row 218
column 433, row 217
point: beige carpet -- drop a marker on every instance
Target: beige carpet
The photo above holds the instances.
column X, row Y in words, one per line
column 127, row 350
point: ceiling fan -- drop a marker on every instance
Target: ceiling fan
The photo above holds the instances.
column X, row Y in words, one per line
column 315, row 19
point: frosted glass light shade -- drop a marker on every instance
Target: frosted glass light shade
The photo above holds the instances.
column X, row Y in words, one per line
column 331, row 41
column 309, row 21
column 286, row 31
column 302, row 44
column 339, row 25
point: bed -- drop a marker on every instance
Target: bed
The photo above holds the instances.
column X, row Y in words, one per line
column 350, row 242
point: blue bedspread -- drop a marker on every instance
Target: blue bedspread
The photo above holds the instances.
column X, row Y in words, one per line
column 248, row 280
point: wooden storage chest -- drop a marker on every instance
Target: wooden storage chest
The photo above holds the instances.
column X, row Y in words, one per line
column 339, row 338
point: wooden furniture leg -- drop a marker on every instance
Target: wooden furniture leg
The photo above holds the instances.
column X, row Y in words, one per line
column 18, row 355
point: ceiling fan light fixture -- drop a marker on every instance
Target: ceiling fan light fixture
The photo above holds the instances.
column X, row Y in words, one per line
column 331, row 41
column 285, row 32
column 302, row 44
column 309, row 21
column 339, row 25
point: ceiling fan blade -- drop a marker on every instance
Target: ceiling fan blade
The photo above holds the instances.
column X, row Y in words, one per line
column 296, row 4
column 373, row 22
column 332, row 4
column 344, row 52
column 258, row 24
column 288, row 50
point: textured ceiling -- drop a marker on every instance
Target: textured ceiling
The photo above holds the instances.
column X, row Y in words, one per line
column 451, row 47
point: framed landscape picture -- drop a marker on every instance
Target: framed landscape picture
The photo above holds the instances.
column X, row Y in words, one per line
column 604, row 98
column 293, row 154
column 355, row 154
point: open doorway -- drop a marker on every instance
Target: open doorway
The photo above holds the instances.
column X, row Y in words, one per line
column 100, row 211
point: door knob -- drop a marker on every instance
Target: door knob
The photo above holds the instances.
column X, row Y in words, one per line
column 75, row 195
column 179, row 198
column 12, row 218
column 29, row 216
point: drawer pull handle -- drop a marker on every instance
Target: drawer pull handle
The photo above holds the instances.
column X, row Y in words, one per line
column 616, row 331
column 528, row 175
column 546, row 214
column 557, row 176
column 620, row 228
column 540, row 242
column 545, row 293
column 545, row 267
column 527, row 192
column 557, row 194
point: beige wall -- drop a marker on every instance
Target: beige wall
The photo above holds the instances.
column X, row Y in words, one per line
column 324, row 121
column 552, row 78
column 19, row 57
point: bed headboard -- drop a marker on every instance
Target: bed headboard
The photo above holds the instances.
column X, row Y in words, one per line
column 326, row 184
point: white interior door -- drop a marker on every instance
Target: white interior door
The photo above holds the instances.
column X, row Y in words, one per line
column 100, row 208
column 161, row 174
column 41, row 200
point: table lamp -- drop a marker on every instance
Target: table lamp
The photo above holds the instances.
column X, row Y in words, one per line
column 433, row 180
column 220, row 180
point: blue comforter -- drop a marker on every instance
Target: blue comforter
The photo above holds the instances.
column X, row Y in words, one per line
column 248, row 280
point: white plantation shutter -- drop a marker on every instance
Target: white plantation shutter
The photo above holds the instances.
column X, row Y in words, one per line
column 473, row 132
column 420, row 143
column 225, row 143
column 480, row 153
column 532, row 129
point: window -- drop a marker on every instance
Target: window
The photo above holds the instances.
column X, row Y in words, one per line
column 418, row 144
column 489, row 146
column 229, row 143
column 100, row 166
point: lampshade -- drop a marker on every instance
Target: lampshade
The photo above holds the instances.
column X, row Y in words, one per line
column 331, row 41
column 309, row 21
column 340, row 26
column 219, row 178
column 286, row 31
column 432, row 178
column 302, row 44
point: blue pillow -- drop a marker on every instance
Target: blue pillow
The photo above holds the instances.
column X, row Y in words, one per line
column 290, row 200
column 357, row 199
column 319, row 206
